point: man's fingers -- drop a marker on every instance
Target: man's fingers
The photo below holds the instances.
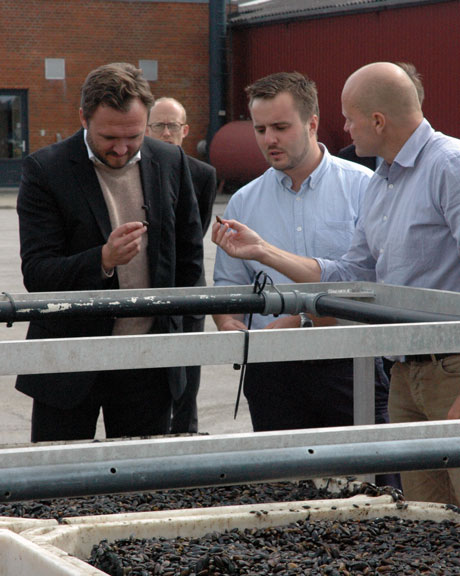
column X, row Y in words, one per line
column 123, row 244
column 219, row 231
column 234, row 225
column 128, row 231
column 129, row 227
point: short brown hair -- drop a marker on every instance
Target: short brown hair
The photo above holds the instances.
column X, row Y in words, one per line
column 301, row 88
column 114, row 85
column 416, row 78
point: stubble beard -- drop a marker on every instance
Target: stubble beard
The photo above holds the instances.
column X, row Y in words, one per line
column 104, row 159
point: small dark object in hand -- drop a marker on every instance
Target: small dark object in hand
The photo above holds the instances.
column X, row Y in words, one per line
column 219, row 219
column 145, row 223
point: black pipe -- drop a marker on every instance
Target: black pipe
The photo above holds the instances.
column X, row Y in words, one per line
column 24, row 311
column 368, row 313
column 265, row 302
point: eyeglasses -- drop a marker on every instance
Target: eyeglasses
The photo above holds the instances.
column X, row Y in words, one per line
column 159, row 127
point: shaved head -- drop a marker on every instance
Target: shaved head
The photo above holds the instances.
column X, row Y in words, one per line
column 383, row 87
column 381, row 109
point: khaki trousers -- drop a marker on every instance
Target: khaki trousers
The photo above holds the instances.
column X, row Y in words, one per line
column 423, row 391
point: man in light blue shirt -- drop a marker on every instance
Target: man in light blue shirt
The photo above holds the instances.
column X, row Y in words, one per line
column 408, row 234
column 318, row 219
column 308, row 203
column 410, row 230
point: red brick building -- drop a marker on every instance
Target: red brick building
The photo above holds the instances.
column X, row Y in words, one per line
column 47, row 47
column 328, row 41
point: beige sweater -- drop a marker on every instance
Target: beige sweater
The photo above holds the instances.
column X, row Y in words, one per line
column 123, row 196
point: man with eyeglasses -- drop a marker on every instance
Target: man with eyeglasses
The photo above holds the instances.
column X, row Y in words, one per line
column 168, row 122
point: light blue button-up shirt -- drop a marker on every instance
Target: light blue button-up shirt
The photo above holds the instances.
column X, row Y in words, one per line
column 409, row 230
column 318, row 220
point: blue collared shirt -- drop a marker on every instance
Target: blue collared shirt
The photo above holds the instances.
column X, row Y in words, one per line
column 409, row 230
column 318, row 220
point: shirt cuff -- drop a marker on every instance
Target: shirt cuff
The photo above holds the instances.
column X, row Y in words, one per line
column 106, row 275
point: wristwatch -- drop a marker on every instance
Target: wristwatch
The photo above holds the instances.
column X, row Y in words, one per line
column 305, row 320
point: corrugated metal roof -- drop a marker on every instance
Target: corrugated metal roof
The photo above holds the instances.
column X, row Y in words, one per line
column 259, row 11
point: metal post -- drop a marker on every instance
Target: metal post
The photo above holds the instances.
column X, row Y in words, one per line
column 364, row 395
column 364, row 390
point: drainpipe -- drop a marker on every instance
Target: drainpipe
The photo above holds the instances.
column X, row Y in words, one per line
column 217, row 67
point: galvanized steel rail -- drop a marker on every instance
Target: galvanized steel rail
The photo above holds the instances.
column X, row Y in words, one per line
column 164, row 463
column 91, row 468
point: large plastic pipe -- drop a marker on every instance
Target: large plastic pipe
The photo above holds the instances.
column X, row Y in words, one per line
column 265, row 302
column 226, row 468
column 370, row 313
column 14, row 310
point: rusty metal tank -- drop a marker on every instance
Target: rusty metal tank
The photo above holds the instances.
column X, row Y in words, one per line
column 235, row 154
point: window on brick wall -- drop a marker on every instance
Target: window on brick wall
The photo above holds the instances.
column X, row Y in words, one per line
column 150, row 69
column 55, row 68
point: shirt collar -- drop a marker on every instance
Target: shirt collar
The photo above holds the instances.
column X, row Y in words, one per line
column 95, row 160
column 407, row 156
column 312, row 180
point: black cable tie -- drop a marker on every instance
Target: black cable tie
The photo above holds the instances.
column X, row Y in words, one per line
column 258, row 288
column 9, row 324
column 243, row 371
column 281, row 295
column 237, row 366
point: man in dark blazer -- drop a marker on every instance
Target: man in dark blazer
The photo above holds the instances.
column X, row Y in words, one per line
column 349, row 153
column 102, row 210
column 168, row 122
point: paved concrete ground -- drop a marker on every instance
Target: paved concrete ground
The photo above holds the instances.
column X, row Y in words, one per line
column 219, row 384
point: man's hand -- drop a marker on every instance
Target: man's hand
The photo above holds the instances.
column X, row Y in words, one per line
column 123, row 244
column 229, row 322
column 284, row 322
column 237, row 240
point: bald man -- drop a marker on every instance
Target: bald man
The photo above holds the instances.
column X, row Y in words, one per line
column 168, row 122
column 373, row 162
column 408, row 234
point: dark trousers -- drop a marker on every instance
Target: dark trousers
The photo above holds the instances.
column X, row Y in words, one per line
column 133, row 402
column 185, row 409
column 305, row 394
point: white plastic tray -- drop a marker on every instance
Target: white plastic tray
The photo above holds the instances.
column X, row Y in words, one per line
column 76, row 538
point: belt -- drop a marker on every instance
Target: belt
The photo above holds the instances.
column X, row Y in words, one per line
column 428, row 357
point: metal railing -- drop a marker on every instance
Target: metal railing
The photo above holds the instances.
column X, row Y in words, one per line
column 89, row 468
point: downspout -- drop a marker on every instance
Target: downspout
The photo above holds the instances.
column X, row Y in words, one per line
column 217, row 68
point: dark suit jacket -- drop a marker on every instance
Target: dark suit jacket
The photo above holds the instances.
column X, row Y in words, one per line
column 63, row 224
column 349, row 153
column 205, row 185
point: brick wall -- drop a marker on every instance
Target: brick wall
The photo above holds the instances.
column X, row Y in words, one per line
column 90, row 33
